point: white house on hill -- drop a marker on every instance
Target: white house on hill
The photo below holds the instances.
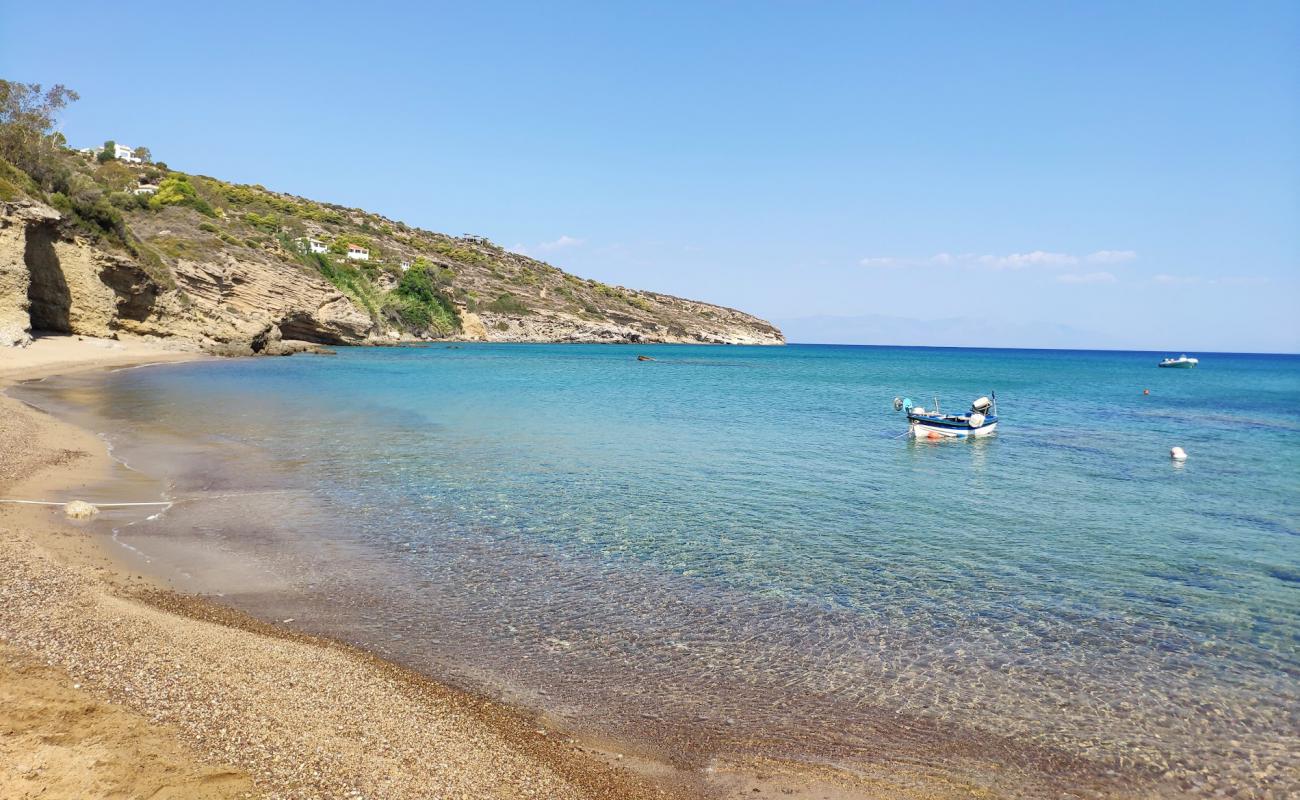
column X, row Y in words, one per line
column 120, row 151
column 309, row 245
column 358, row 253
column 123, row 153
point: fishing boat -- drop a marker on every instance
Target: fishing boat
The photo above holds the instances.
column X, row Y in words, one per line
column 1182, row 362
column 934, row 424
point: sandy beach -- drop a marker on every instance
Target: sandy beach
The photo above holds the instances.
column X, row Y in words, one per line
column 115, row 687
column 112, row 685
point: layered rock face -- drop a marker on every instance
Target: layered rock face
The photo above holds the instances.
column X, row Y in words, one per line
column 726, row 327
column 54, row 280
column 236, row 295
column 16, row 219
column 251, row 295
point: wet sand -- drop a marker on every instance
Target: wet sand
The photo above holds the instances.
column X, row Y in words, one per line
column 122, row 688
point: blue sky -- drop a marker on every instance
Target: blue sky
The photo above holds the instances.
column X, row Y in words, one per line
column 1118, row 175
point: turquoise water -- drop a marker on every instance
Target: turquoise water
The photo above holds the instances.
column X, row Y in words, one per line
column 733, row 545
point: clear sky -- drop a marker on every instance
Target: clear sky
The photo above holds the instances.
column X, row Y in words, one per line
column 1102, row 174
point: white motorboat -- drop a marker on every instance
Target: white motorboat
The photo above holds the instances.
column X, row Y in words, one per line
column 934, row 424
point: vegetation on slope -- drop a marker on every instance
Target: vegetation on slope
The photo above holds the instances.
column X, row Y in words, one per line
column 419, row 300
column 411, row 281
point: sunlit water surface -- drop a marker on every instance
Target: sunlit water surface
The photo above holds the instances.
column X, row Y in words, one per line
column 734, row 546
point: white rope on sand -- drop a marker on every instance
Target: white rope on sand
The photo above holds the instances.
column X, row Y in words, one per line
column 101, row 505
column 157, row 503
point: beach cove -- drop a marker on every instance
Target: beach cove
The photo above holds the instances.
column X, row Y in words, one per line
column 113, row 684
column 931, row 739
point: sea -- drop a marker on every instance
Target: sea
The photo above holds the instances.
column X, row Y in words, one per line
column 739, row 550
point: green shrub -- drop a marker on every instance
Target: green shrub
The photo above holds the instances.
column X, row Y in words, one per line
column 340, row 243
column 208, row 227
column 508, row 304
column 61, row 202
column 456, row 253
column 176, row 190
column 347, row 279
column 441, row 276
column 93, row 214
column 14, row 182
column 608, row 291
column 128, row 202
column 267, row 222
column 419, row 304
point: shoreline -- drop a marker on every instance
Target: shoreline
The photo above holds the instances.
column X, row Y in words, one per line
column 107, row 639
column 542, row 754
column 80, row 617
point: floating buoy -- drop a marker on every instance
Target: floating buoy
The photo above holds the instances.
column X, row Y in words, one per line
column 1146, row 391
column 80, row 509
column 1178, row 454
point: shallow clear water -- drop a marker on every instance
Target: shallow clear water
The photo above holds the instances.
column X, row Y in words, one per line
column 733, row 545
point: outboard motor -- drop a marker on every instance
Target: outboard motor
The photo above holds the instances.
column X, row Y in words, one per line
column 981, row 406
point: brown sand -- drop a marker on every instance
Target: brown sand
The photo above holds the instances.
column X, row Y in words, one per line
column 59, row 741
column 113, row 688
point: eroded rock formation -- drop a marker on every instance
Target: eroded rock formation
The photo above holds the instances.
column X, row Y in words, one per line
column 52, row 279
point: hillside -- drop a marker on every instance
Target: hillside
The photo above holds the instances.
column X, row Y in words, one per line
column 96, row 245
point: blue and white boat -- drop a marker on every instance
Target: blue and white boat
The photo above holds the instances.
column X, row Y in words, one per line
column 934, row 424
column 1181, row 362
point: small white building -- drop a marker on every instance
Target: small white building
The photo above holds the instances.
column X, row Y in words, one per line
column 144, row 188
column 406, row 264
column 123, row 153
column 358, row 253
column 307, row 244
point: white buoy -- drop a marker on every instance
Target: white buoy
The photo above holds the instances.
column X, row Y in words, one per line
column 1178, row 454
column 80, row 509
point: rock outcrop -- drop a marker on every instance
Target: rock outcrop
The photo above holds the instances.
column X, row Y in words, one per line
column 17, row 219
column 557, row 326
column 53, row 279
column 226, row 266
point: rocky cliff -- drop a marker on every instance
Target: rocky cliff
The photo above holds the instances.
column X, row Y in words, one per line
column 243, row 269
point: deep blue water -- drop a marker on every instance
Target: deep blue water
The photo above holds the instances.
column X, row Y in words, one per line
column 736, row 536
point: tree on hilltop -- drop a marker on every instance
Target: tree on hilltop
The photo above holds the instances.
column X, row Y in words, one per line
column 109, row 153
column 27, row 119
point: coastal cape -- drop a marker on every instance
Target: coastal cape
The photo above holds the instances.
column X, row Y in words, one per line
column 238, row 269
